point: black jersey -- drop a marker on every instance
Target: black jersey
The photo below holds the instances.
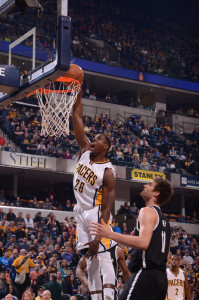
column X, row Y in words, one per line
column 155, row 257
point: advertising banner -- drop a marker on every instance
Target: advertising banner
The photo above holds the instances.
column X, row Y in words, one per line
column 143, row 175
column 189, row 181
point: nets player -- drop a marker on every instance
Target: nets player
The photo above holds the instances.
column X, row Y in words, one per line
column 118, row 260
column 94, row 188
column 178, row 285
column 152, row 239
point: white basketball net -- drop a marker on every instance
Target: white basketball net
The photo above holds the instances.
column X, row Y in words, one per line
column 56, row 103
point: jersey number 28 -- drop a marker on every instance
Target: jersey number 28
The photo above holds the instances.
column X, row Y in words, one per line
column 79, row 186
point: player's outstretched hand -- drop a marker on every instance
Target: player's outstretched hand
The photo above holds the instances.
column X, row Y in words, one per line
column 100, row 229
column 93, row 249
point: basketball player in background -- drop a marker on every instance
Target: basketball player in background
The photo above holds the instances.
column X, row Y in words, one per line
column 94, row 189
column 151, row 239
column 178, row 285
column 119, row 263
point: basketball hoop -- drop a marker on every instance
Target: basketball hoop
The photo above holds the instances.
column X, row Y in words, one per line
column 56, row 102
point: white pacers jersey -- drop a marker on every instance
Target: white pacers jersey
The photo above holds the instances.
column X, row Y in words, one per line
column 88, row 181
column 175, row 285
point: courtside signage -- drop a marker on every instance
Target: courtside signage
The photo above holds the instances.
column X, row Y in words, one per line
column 142, row 175
column 28, row 161
column 189, row 181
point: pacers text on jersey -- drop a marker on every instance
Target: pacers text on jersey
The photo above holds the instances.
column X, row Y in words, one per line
column 86, row 173
column 176, row 282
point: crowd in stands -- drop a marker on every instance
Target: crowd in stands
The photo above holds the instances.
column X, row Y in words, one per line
column 50, row 247
column 147, row 44
column 131, row 210
column 50, row 202
column 135, row 144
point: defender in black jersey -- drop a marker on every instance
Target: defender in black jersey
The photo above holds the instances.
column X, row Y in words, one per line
column 150, row 244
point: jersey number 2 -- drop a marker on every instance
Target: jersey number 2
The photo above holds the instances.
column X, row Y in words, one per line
column 163, row 241
column 79, row 186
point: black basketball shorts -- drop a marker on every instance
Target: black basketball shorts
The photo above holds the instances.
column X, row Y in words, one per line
column 146, row 285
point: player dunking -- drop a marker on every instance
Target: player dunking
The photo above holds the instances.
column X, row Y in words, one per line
column 152, row 239
column 178, row 285
column 94, row 188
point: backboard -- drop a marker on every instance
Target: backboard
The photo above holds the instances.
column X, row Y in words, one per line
column 35, row 38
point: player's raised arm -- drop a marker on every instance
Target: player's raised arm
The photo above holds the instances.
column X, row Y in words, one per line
column 80, row 136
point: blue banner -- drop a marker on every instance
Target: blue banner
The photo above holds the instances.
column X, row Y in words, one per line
column 106, row 69
column 189, row 181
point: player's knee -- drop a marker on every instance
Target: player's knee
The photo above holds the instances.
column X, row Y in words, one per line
column 109, row 294
column 96, row 296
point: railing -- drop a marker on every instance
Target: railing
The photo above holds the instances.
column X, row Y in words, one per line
column 120, row 118
column 189, row 123
column 97, row 108
column 179, row 128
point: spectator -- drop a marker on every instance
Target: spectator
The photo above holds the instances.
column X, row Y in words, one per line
column 68, row 206
column 20, row 234
column 67, row 154
column 20, row 268
column 188, row 258
column 133, row 209
column 8, row 148
column 67, row 255
column 28, row 221
column 116, row 228
column 144, row 143
column 19, row 219
column 24, row 244
column 54, row 287
column 2, row 142
column 47, row 295
column 40, row 293
column 4, row 261
column 10, row 297
column 170, row 165
column 194, row 218
column 10, row 215
column 12, row 242
column 47, row 204
column 144, row 165
column 43, row 278
column 26, row 296
column 35, row 273
column 92, row 97
column 63, row 267
column 75, row 156
column 144, row 131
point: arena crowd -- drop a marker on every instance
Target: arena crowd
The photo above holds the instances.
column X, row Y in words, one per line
column 50, row 247
column 142, row 43
column 135, row 143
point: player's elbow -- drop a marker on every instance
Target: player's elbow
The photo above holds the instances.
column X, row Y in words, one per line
column 144, row 245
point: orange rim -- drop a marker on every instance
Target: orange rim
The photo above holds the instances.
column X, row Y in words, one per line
column 60, row 79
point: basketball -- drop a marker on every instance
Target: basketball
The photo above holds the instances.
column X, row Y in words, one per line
column 75, row 72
